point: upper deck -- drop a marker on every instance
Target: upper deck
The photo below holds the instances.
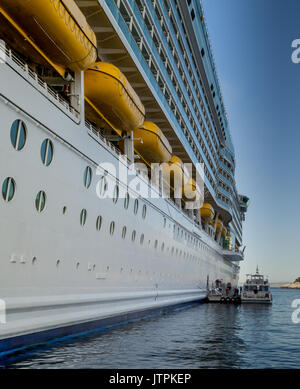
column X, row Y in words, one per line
column 152, row 43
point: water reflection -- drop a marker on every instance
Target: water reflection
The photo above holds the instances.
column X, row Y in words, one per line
column 205, row 336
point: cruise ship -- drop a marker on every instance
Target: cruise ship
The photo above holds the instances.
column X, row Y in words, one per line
column 118, row 194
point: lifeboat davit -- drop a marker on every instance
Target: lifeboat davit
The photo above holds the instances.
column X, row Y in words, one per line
column 219, row 225
column 151, row 143
column 224, row 232
column 57, row 29
column 108, row 89
column 207, row 212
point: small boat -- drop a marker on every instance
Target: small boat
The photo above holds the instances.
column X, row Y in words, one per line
column 256, row 289
column 223, row 293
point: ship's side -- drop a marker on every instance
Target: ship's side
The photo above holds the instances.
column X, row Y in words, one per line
column 73, row 259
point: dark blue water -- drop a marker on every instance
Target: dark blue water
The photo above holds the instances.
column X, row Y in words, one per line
column 205, row 336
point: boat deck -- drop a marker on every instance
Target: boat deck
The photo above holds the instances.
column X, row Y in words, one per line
column 221, row 296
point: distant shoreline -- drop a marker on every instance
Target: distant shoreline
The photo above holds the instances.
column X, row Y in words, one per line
column 292, row 285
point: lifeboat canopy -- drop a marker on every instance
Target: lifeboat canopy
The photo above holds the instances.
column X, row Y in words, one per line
column 152, row 144
column 107, row 88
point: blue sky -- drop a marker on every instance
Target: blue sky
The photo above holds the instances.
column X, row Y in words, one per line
column 251, row 41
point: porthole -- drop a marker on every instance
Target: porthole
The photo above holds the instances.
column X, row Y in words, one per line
column 18, row 134
column 142, row 239
column 8, row 189
column 83, row 216
column 99, row 223
column 47, row 152
column 102, row 187
column 88, row 177
column 116, row 194
column 144, row 213
column 136, row 206
column 112, row 228
column 124, row 232
column 133, row 236
column 126, row 201
column 40, row 201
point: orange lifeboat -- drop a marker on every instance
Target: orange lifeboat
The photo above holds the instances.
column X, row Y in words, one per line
column 189, row 191
column 151, row 143
column 207, row 212
column 109, row 91
column 56, row 29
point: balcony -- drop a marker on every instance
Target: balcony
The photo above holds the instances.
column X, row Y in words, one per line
column 234, row 256
column 226, row 168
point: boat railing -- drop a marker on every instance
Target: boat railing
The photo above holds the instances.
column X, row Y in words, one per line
column 118, row 153
column 96, row 131
column 7, row 53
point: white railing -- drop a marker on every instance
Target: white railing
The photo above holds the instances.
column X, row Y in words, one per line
column 7, row 53
column 96, row 131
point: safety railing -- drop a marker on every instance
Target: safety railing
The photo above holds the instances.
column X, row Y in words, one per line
column 7, row 53
column 96, row 131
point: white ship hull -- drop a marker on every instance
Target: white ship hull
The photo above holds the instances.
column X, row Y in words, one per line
column 58, row 277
